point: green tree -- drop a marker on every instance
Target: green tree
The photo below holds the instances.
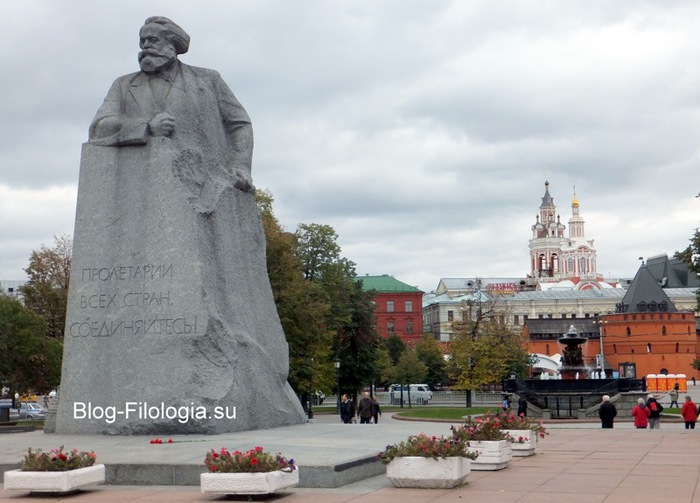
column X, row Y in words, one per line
column 46, row 292
column 31, row 359
column 396, row 347
column 691, row 257
column 301, row 305
column 357, row 341
column 409, row 370
column 484, row 348
column 430, row 352
column 351, row 313
column 383, row 366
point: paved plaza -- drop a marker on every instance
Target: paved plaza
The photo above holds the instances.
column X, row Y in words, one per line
column 576, row 463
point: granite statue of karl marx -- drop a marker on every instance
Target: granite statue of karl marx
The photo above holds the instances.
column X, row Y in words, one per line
column 192, row 106
column 168, row 230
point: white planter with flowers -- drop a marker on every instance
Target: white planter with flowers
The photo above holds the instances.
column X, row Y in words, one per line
column 524, row 442
column 54, row 481
column 252, row 472
column 248, row 483
column 493, row 454
column 428, row 473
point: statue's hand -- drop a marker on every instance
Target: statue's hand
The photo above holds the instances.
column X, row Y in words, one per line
column 243, row 182
column 162, row 125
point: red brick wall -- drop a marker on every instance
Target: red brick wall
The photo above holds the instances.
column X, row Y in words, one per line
column 400, row 316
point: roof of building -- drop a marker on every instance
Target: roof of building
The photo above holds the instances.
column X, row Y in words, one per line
column 477, row 283
column 645, row 294
column 671, row 272
column 385, row 283
column 607, row 293
column 446, row 298
column 584, row 326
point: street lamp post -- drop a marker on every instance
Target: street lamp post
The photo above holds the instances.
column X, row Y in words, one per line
column 336, row 363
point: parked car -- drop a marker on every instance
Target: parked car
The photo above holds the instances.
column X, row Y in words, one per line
column 30, row 410
column 420, row 394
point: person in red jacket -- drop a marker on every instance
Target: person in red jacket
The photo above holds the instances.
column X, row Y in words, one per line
column 689, row 411
column 641, row 414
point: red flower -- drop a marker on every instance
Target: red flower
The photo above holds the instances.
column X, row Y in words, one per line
column 253, row 461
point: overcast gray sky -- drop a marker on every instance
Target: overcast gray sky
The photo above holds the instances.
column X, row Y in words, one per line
column 421, row 131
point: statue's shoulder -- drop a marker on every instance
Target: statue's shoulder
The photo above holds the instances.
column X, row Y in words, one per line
column 129, row 79
column 199, row 72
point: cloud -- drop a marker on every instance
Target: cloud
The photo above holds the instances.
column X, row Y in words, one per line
column 422, row 133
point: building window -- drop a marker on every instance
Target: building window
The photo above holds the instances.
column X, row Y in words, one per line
column 516, row 319
column 390, row 327
column 570, row 264
column 677, row 348
column 573, row 316
column 389, row 306
column 524, row 318
column 450, row 315
column 409, row 306
column 409, row 327
column 549, row 316
column 615, row 348
column 546, row 348
column 648, row 348
column 563, row 316
column 663, row 330
column 583, row 265
column 629, row 331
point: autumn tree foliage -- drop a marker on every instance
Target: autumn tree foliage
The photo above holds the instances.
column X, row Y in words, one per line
column 484, row 349
column 46, row 292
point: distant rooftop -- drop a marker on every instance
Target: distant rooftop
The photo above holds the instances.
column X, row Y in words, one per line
column 385, row 283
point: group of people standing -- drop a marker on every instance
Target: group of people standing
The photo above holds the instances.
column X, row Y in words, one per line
column 647, row 413
column 368, row 410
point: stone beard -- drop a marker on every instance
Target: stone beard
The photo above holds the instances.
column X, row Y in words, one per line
column 169, row 302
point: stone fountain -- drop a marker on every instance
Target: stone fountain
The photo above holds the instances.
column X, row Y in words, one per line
column 573, row 366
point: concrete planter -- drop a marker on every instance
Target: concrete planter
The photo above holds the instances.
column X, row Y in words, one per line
column 57, row 482
column 527, row 446
column 428, row 473
column 247, row 483
column 493, row 454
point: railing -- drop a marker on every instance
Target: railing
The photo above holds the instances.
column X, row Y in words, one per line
column 457, row 398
